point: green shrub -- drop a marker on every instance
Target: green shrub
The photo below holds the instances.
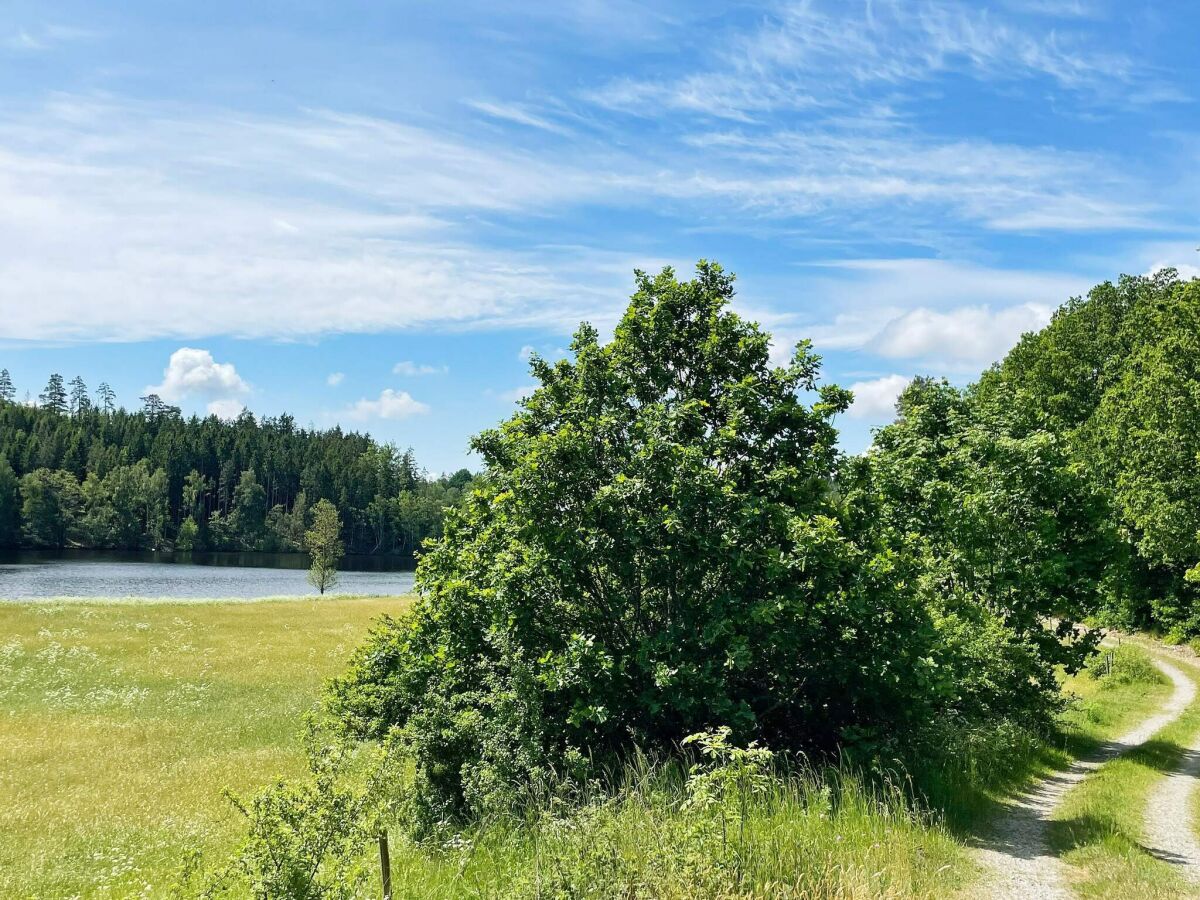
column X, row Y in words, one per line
column 305, row 838
column 1125, row 664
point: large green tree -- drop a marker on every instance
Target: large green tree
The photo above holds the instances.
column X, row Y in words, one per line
column 50, row 507
column 54, row 397
column 657, row 546
column 1005, row 520
column 1113, row 377
column 1146, row 432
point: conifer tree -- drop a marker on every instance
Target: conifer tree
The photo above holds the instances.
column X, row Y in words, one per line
column 108, row 398
column 80, row 401
column 7, row 391
column 54, row 397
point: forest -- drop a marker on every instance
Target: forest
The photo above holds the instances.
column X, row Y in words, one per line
column 82, row 472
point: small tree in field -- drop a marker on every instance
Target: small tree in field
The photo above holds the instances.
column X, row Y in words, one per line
column 324, row 544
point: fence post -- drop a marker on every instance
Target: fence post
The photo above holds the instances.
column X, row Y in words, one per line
column 385, row 866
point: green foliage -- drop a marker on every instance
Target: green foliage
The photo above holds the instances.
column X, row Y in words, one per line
column 54, row 397
column 127, row 508
column 387, row 504
column 657, row 548
column 1007, row 523
column 324, row 545
column 50, row 505
column 10, row 505
column 249, row 511
column 306, row 837
column 189, row 535
column 1125, row 664
column 1115, row 377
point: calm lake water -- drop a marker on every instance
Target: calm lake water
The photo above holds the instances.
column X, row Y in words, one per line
column 30, row 576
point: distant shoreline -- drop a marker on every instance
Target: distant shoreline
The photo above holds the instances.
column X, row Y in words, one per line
column 191, row 601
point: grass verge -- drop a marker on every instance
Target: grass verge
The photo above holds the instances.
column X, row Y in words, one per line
column 1100, row 825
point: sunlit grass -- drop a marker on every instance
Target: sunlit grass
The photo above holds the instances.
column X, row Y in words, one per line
column 1100, row 826
column 120, row 724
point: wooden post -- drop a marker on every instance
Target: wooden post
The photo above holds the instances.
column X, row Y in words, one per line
column 385, row 866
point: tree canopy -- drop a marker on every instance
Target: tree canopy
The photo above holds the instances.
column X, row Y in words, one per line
column 1116, row 378
column 666, row 539
column 95, row 475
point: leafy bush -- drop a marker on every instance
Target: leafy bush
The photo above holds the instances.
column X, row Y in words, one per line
column 305, row 838
column 661, row 544
column 1125, row 664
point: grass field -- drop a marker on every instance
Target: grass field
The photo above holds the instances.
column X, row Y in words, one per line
column 120, row 724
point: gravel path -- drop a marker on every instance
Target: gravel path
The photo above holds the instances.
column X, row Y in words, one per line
column 1017, row 855
column 1169, row 834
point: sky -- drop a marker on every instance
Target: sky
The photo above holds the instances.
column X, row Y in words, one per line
column 370, row 214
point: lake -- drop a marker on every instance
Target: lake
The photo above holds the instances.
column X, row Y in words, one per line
column 33, row 576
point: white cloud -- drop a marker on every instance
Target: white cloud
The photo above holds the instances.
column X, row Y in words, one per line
column 226, row 409
column 1182, row 256
column 514, row 395
column 115, row 214
column 512, row 112
column 974, row 335
column 390, row 405
column 814, row 55
column 876, row 398
column 23, row 40
column 411, row 369
column 44, row 37
column 112, row 213
column 948, row 316
column 525, row 352
column 831, row 169
column 335, row 378
column 192, row 373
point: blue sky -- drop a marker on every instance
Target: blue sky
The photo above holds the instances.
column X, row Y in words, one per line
column 369, row 213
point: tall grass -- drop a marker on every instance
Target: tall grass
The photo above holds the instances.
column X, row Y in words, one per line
column 809, row 833
column 121, row 725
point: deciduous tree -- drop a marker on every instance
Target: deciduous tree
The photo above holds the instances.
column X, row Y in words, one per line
column 324, row 545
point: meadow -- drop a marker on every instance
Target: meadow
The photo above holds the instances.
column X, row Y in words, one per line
column 122, row 724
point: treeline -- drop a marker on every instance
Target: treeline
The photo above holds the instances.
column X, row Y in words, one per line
column 1115, row 379
column 78, row 472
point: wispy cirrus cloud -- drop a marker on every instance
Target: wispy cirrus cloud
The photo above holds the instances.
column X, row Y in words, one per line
column 40, row 37
column 813, row 55
column 518, row 114
column 112, row 213
column 411, row 369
